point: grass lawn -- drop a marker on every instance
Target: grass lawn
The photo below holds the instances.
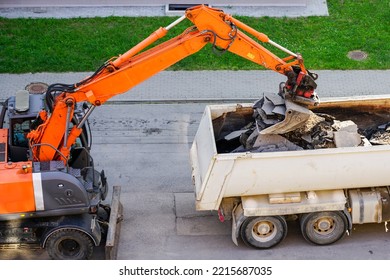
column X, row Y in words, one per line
column 83, row 44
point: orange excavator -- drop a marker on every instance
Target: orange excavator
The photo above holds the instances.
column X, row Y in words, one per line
column 50, row 193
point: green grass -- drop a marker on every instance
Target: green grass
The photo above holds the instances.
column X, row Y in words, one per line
column 83, row 44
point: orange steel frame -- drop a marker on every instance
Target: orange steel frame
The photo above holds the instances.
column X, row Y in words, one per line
column 128, row 70
column 16, row 184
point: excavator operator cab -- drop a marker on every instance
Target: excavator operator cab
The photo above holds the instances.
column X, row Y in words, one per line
column 20, row 130
column 19, row 115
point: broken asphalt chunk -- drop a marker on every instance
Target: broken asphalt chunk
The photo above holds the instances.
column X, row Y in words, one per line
column 274, row 142
column 235, row 134
column 279, row 110
column 268, row 107
column 349, row 126
column 380, row 138
column 344, row 138
column 276, row 99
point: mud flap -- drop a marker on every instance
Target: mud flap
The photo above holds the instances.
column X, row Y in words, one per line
column 114, row 225
column 237, row 219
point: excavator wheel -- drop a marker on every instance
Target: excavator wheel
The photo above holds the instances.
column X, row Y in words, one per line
column 69, row 244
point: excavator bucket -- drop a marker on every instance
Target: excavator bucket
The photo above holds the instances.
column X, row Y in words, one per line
column 114, row 225
column 295, row 116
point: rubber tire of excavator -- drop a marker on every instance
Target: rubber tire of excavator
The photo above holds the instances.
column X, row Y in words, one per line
column 69, row 244
column 277, row 231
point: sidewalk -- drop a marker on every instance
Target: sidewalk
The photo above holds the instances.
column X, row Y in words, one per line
column 103, row 8
column 217, row 85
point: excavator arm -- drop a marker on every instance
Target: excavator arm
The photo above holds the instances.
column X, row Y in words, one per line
column 51, row 139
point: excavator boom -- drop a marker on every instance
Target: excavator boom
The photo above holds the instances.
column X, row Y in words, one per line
column 52, row 139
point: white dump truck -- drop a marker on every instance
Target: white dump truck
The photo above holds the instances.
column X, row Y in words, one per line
column 327, row 189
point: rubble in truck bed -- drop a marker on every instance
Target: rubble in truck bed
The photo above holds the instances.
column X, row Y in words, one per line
column 276, row 123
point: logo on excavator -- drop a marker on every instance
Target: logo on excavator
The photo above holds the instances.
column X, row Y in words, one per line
column 251, row 56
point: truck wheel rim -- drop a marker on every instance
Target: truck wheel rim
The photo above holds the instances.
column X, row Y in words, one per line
column 324, row 225
column 264, row 231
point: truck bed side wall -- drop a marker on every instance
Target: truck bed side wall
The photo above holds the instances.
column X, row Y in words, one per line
column 246, row 174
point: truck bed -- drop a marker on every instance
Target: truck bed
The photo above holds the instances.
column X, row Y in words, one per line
column 221, row 175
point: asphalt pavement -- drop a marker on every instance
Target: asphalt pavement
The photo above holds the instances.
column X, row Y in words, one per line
column 142, row 139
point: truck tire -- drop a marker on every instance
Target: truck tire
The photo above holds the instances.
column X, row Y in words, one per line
column 263, row 232
column 323, row 228
column 69, row 244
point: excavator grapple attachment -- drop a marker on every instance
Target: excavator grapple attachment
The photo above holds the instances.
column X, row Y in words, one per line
column 295, row 116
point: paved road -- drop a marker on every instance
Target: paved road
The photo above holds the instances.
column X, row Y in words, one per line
column 144, row 147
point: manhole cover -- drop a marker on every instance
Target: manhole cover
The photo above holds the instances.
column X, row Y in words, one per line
column 37, row 88
column 357, row 55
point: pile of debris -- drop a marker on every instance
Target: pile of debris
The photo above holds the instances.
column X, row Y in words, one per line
column 378, row 135
column 278, row 124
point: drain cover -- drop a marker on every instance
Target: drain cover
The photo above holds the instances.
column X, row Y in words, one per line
column 36, row 88
column 357, row 55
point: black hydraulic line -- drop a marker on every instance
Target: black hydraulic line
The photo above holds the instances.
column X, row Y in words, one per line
column 59, row 88
column 2, row 114
column 56, row 88
column 88, row 79
column 217, row 50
